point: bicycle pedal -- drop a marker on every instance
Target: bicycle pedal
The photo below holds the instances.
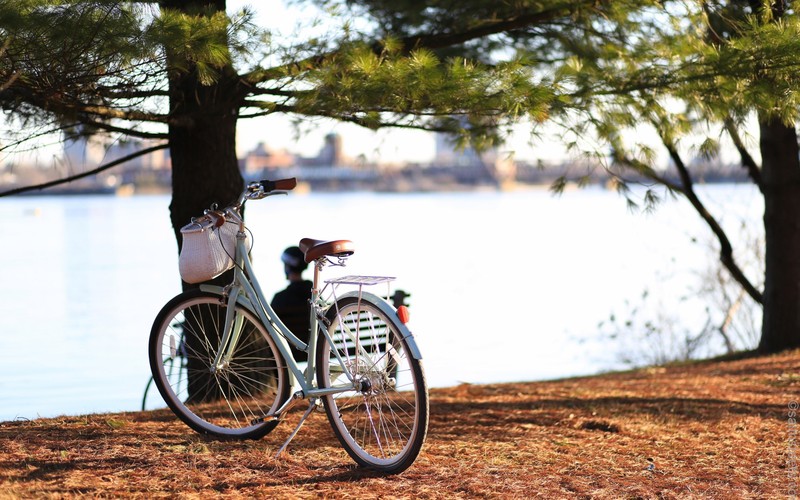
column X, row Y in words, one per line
column 265, row 418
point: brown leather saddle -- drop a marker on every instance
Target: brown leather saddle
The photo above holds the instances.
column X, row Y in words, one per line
column 315, row 249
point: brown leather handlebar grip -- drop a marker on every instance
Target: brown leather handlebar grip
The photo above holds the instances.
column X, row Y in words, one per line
column 282, row 185
column 286, row 184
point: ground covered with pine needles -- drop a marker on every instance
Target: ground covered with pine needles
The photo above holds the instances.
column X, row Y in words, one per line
column 721, row 429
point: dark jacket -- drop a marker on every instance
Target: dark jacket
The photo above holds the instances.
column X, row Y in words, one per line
column 292, row 307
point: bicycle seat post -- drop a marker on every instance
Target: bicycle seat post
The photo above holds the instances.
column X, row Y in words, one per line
column 318, row 265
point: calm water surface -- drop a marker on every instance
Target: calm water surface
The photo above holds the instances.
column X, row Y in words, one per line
column 503, row 285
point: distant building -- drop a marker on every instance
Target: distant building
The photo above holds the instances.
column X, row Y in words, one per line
column 331, row 154
column 83, row 153
column 469, row 166
column 91, row 153
column 262, row 158
column 150, row 171
column 447, row 155
column 157, row 160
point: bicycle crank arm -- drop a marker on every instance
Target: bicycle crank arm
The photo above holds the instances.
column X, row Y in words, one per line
column 279, row 414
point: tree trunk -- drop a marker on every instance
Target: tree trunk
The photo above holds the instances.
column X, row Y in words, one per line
column 205, row 170
column 202, row 135
column 781, row 183
column 203, row 150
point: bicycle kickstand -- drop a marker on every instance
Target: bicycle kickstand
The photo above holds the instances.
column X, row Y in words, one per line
column 312, row 404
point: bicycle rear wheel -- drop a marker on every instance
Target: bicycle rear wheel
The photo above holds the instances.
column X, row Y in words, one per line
column 381, row 423
column 228, row 401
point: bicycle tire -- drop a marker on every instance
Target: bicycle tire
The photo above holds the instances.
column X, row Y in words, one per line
column 383, row 424
column 229, row 402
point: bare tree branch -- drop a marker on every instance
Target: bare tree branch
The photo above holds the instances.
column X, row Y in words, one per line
column 126, row 131
column 726, row 249
column 88, row 173
column 648, row 172
column 747, row 160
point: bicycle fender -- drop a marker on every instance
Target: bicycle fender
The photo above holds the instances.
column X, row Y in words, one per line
column 211, row 288
column 391, row 313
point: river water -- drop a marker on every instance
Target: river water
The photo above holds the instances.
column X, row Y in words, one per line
column 504, row 286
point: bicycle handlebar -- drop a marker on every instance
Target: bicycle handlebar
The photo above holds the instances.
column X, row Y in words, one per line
column 282, row 184
column 260, row 189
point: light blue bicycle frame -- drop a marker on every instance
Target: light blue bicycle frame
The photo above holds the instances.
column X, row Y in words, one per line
column 246, row 292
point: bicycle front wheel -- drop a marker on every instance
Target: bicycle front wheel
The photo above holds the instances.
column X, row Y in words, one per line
column 227, row 400
column 383, row 420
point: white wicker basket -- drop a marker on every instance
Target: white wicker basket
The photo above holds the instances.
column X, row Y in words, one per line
column 208, row 248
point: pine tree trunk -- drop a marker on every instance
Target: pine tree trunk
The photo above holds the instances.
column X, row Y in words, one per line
column 781, row 186
column 205, row 170
column 203, row 149
column 202, row 135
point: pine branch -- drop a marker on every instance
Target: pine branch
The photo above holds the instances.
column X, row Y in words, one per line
column 88, row 173
column 434, row 41
column 65, row 108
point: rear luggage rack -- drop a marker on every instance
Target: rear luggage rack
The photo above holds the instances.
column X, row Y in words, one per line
column 361, row 280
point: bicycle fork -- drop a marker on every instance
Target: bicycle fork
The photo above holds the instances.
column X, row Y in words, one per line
column 231, row 333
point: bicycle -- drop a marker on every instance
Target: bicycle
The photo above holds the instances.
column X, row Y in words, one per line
column 221, row 360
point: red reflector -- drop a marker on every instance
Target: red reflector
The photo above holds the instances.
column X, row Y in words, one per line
column 403, row 314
